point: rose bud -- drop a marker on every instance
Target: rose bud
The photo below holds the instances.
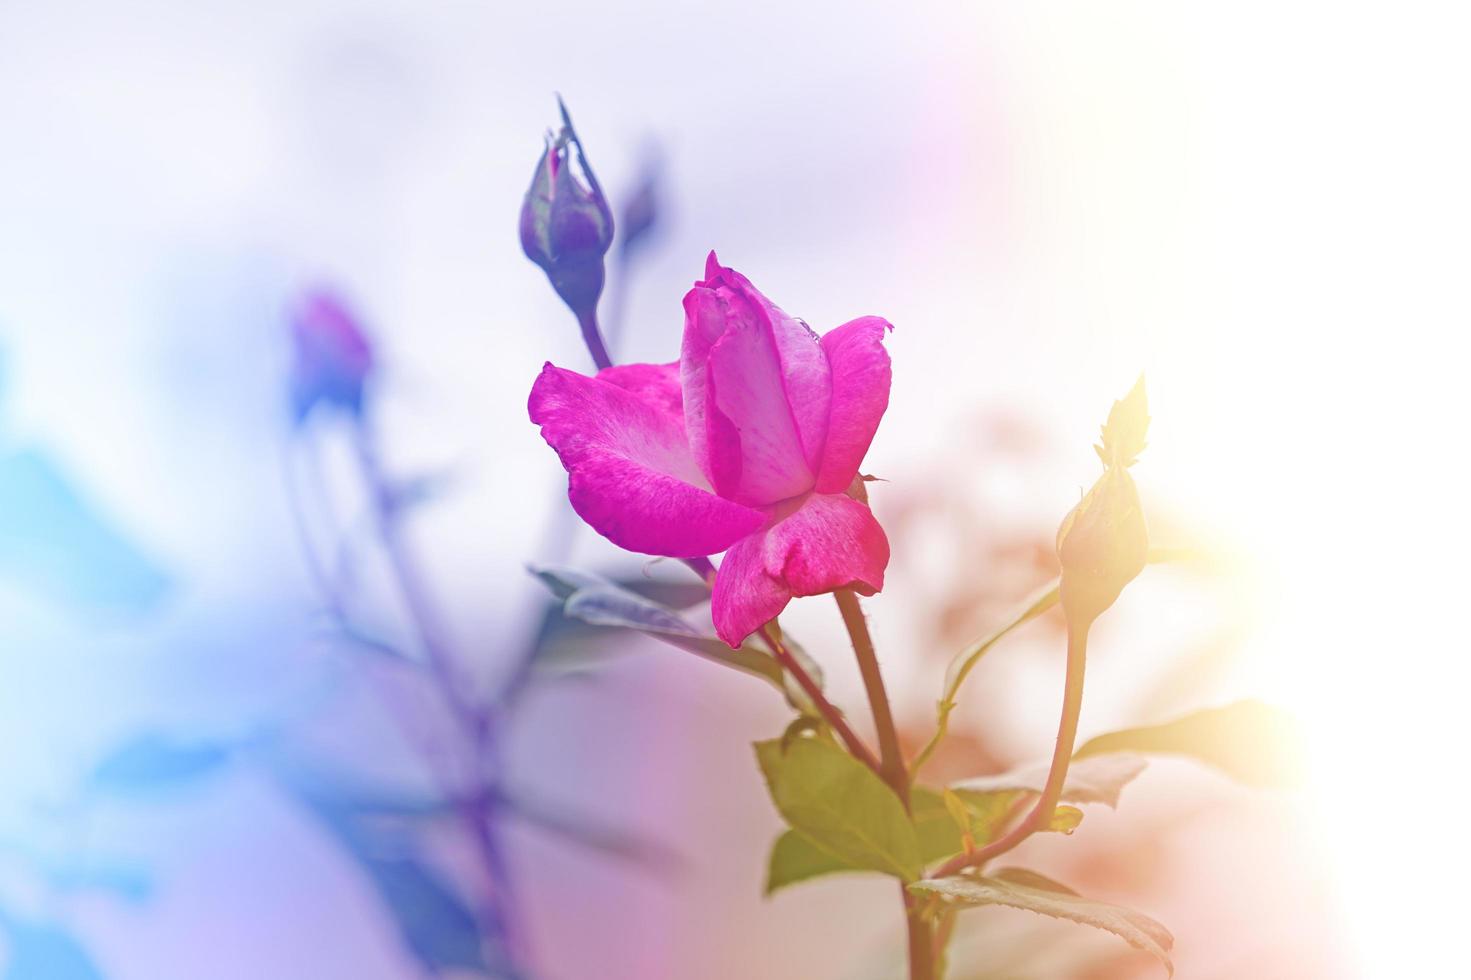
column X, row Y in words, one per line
column 566, row 227
column 332, row 357
column 1103, row 542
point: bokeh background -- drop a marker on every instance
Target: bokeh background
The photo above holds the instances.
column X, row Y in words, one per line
column 1261, row 205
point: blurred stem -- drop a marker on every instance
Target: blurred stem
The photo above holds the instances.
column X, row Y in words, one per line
column 891, row 760
column 1062, row 754
column 830, row 714
column 968, row 658
column 593, row 337
column 479, row 810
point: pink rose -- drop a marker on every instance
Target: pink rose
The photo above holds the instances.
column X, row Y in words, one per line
column 749, row 444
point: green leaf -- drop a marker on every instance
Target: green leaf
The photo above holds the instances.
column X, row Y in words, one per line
column 1027, row 890
column 1126, row 428
column 1065, row 820
column 957, row 809
column 840, row 805
column 1253, row 742
column 1093, row 780
column 795, row 858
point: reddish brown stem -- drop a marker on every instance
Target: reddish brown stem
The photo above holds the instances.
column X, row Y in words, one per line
column 830, row 714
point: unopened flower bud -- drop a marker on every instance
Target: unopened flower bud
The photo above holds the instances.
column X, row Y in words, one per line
column 332, row 357
column 566, row 226
column 1103, row 542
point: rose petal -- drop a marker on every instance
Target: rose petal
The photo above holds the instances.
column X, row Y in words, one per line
column 631, row 473
column 756, row 387
column 861, row 376
column 656, row 383
column 830, row 541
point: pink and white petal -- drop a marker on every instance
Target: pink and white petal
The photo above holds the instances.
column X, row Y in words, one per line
column 756, row 390
column 746, row 382
column 713, row 439
column 654, row 383
column 831, row 541
column 631, row 475
column 861, row 375
column 801, row 362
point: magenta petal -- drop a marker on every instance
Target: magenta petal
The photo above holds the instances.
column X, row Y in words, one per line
column 756, row 390
column 656, row 383
column 803, row 365
column 831, row 541
column 631, row 473
column 861, row 377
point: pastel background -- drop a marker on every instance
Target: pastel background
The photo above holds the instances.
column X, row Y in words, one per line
column 1262, row 206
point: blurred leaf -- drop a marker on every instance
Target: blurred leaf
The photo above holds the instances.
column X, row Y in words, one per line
column 585, row 831
column 1127, row 426
column 564, row 581
column 155, row 763
column 674, row 595
column 956, row 808
column 128, row 883
column 75, row 869
column 1250, row 741
column 840, row 805
column 1027, row 890
column 45, row 953
column 437, row 926
column 422, row 488
column 599, row 602
column 1031, row 879
column 54, row 541
column 434, row 921
column 1094, row 780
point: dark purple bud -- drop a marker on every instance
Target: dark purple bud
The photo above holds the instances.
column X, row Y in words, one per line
column 332, row 357
column 566, row 225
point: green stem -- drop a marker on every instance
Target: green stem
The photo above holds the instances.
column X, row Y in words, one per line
column 891, row 769
column 1062, row 754
column 891, row 760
